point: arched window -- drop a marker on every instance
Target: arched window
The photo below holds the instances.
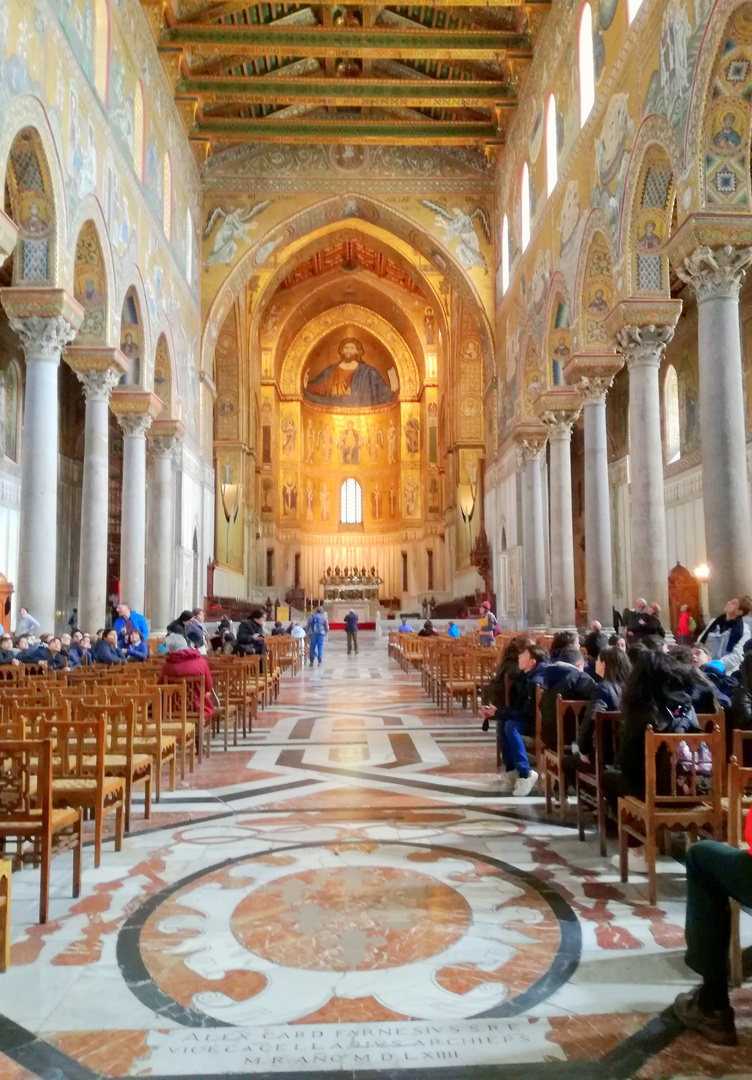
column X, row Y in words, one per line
column 167, row 196
column 138, row 130
column 673, row 436
column 101, row 48
column 351, row 503
column 633, row 6
column 504, row 254
column 189, row 246
column 587, row 64
column 11, row 412
column 552, row 164
column 525, row 207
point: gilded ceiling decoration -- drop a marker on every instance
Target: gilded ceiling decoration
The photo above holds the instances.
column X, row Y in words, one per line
column 351, row 255
column 362, row 75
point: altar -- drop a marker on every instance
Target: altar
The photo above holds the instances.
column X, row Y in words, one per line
column 351, row 589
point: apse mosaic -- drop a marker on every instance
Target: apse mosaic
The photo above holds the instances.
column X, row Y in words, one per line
column 350, row 369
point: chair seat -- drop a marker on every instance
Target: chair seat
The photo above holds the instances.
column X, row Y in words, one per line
column 167, row 743
column 72, row 784
column 668, row 812
column 60, row 818
column 119, row 761
column 177, row 728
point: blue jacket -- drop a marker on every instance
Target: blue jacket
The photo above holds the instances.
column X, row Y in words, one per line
column 351, row 621
column 103, row 653
column 606, row 698
column 137, row 652
column 454, row 631
column 42, row 653
column 138, row 622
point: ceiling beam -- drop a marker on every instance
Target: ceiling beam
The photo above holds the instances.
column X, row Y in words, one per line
column 262, row 90
column 192, row 12
column 373, row 42
column 377, row 133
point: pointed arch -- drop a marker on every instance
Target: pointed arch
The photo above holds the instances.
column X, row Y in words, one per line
column 29, row 192
column 163, row 376
column 650, row 222
column 132, row 338
column 557, row 337
column 586, row 63
column 90, row 286
column 672, row 424
column 594, row 285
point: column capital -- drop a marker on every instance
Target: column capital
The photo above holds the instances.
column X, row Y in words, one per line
column 99, row 369
column 707, row 228
column 558, row 409
column 98, row 385
column 165, row 437
column 593, row 391
column 8, row 236
column 588, row 366
column 530, row 441
column 715, row 272
column 135, row 409
column 46, row 320
column 643, row 314
column 644, row 346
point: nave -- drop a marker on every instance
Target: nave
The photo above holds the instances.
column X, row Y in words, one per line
column 346, row 894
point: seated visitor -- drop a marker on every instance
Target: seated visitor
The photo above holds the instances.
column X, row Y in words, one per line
column 427, row 629
column 69, row 654
column 7, row 652
column 180, row 625
column 137, row 649
column 405, row 627
column 453, row 629
column 704, row 693
column 517, row 719
column 297, row 632
column 567, row 676
column 563, row 639
column 47, row 652
column 106, row 650
column 494, row 691
column 250, row 636
column 741, row 697
column 618, row 641
column 595, row 641
column 725, row 636
column 715, row 874
column 84, row 646
column 612, row 670
column 22, row 646
column 196, row 632
column 183, row 662
column 278, row 629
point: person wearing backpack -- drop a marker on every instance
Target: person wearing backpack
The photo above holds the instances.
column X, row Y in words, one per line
column 685, row 626
column 486, row 624
column 317, row 628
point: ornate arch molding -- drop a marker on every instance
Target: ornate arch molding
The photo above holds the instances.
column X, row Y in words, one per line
column 558, row 293
column 354, row 315
column 655, row 151
column 133, row 279
column 90, row 209
column 597, row 231
column 529, row 365
column 27, row 111
column 341, row 211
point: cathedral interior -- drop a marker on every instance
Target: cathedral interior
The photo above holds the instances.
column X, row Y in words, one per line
column 398, row 308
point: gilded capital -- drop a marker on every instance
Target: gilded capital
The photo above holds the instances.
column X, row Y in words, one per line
column 593, row 390
column 98, row 385
column 644, row 346
column 134, row 424
column 715, row 272
column 165, row 438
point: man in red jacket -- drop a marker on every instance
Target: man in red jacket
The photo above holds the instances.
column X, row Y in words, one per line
column 182, row 662
column 715, row 874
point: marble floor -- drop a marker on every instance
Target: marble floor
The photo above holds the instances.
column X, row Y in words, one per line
column 347, row 894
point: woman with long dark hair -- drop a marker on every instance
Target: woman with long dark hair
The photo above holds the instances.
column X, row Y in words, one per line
column 612, row 669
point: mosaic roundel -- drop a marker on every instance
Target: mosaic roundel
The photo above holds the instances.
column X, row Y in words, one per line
column 388, row 929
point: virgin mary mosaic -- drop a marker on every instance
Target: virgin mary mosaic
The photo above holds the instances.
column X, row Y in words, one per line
column 351, row 383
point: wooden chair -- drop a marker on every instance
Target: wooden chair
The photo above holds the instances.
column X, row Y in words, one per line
column 175, row 722
column 149, row 736
column 27, row 813
column 591, row 794
column 462, row 680
column 195, row 704
column 77, row 782
column 120, row 758
column 225, row 712
column 255, row 686
column 5, row 869
column 568, row 716
column 739, row 804
column 680, row 805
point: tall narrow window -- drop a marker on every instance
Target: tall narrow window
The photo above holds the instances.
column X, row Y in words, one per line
column 351, row 503
column 404, row 572
column 633, row 6
column 525, row 206
column 138, row 130
column 167, row 196
column 673, row 435
column 504, row 254
column 429, row 558
column 587, row 65
column 101, row 48
column 552, row 165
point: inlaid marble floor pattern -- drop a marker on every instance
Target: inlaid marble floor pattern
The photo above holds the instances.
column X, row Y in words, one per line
column 347, row 894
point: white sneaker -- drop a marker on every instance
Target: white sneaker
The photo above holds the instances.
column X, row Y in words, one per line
column 637, row 864
column 525, row 784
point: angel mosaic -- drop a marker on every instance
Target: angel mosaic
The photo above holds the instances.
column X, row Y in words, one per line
column 233, row 230
column 459, row 225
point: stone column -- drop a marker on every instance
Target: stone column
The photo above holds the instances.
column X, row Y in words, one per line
column 135, row 411
column 643, row 348
column 598, row 557
column 558, row 409
column 164, row 444
column 46, row 320
column 715, row 277
column 533, row 450
column 99, row 370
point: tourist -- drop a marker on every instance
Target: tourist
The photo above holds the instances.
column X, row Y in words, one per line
column 84, row 647
column 632, row 617
column 196, row 632
column 612, row 669
column 405, row 627
column 685, row 626
column 278, row 629
column 486, row 624
column 184, row 662
column 106, row 650
column 297, row 632
column 518, row 719
column 741, row 697
column 647, row 623
column 427, row 629
column 563, row 639
column 47, row 653
column 7, row 652
column 494, row 693
column 250, row 637
column 317, row 628
column 128, row 621
column 68, row 653
column 726, row 635
column 453, row 629
column 566, row 676
column 617, row 641
column 594, row 644
column 180, row 625
column 27, row 625
column 22, row 645
column 715, row 874
column 351, row 630
column 137, row 649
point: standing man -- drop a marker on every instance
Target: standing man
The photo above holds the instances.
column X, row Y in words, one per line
column 128, row 621
column 27, row 624
column 317, row 628
column 486, row 624
column 351, row 629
